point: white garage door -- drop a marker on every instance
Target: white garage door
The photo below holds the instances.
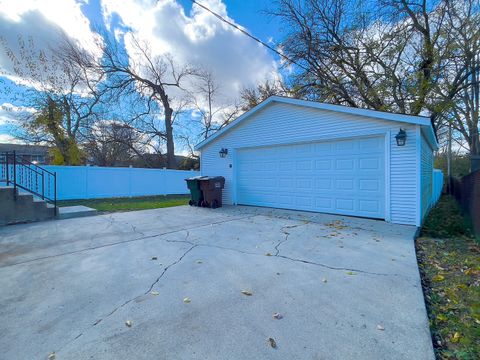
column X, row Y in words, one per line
column 339, row 177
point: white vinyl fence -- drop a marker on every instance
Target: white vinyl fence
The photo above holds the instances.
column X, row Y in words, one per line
column 91, row 182
column 437, row 185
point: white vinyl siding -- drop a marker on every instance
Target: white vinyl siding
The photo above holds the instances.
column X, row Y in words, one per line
column 280, row 123
column 426, row 177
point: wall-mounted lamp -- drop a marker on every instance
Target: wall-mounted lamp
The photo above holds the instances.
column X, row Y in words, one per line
column 223, row 152
column 401, row 137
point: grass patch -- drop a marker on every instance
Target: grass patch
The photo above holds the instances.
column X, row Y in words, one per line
column 130, row 204
column 446, row 220
column 449, row 262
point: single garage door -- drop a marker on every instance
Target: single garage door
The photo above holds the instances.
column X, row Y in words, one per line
column 339, row 177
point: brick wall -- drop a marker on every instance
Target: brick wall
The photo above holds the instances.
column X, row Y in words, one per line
column 467, row 192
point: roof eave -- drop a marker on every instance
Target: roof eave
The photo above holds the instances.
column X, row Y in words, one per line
column 412, row 119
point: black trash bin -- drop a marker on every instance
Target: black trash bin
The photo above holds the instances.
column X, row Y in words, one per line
column 196, row 195
column 211, row 187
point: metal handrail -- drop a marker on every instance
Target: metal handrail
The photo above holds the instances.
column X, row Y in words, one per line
column 26, row 176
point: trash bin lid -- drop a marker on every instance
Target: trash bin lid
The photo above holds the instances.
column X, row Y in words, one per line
column 212, row 178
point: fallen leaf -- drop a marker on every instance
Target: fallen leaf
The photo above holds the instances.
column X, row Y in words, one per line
column 268, row 254
column 380, row 327
column 155, row 293
column 186, row 300
column 272, row 342
column 456, row 337
column 441, row 317
column 324, row 280
column 129, row 323
column 247, row 292
column 351, row 273
column 52, row 356
column 438, row 278
column 277, row 316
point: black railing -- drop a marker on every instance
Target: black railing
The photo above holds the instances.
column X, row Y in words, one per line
column 20, row 173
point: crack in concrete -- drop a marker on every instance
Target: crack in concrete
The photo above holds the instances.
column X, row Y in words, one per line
column 193, row 227
column 195, row 245
column 334, row 267
column 156, row 281
column 278, row 255
column 134, row 229
column 300, row 260
column 168, row 267
column 287, row 234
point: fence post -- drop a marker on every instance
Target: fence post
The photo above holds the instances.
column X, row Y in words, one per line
column 86, row 181
column 7, row 166
column 130, row 170
column 14, row 175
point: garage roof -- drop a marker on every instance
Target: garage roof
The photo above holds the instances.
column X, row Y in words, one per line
column 410, row 119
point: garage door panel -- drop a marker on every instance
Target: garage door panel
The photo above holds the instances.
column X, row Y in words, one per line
column 371, row 144
column 286, row 166
column 344, row 184
column 342, row 177
column 323, row 184
column 304, row 165
column 344, row 164
column 371, row 206
column 324, row 164
column 323, row 148
column 369, row 184
column 345, row 204
column 369, row 163
column 323, row 203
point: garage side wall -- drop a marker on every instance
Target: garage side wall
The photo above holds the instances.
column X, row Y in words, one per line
column 280, row 123
column 426, row 177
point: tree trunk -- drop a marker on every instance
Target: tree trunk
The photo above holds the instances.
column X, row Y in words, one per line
column 171, row 161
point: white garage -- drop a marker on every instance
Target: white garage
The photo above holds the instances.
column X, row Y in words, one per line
column 294, row 154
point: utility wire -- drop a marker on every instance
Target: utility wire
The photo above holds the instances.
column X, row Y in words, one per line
column 221, row 18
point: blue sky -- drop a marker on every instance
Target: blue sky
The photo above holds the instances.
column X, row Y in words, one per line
column 173, row 26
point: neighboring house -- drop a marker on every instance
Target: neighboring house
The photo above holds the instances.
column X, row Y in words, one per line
column 37, row 154
column 302, row 155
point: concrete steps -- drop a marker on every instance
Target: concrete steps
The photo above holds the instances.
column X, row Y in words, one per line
column 25, row 208
column 70, row 212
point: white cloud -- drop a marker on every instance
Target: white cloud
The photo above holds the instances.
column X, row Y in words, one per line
column 42, row 21
column 9, row 139
column 10, row 114
column 197, row 38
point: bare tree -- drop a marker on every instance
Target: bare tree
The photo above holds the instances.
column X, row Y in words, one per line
column 210, row 111
column 252, row 96
column 64, row 94
column 407, row 56
column 459, row 89
column 213, row 113
column 112, row 143
column 155, row 78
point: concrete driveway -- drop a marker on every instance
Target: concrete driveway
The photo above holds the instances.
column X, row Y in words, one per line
column 347, row 288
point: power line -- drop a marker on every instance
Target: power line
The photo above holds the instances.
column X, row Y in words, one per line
column 221, row 18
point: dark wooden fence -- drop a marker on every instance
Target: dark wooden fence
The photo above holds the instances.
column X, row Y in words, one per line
column 467, row 192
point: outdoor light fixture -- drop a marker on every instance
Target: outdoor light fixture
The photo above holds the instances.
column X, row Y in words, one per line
column 223, row 152
column 401, row 137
